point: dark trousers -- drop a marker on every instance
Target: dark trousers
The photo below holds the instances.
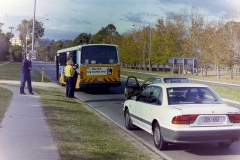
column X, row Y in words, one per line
column 70, row 87
column 25, row 76
column 75, row 82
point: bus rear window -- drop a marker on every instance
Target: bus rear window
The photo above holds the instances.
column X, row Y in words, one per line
column 99, row 55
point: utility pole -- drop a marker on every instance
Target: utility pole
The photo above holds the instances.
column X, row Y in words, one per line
column 150, row 45
column 33, row 30
column 26, row 41
column 11, row 59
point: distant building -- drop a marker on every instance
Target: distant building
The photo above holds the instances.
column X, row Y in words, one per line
column 16, row 41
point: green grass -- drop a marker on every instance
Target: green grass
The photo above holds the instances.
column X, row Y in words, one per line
column 211, row 76
column 6, row 95
column 228, row 93
column 12, row 71
column 80, row 133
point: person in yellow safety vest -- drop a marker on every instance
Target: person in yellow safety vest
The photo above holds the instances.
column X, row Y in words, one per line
column 69, row 74
column 75, row 75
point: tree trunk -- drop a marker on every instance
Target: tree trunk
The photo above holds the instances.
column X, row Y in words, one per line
column 206, row 71
column 218, row 72
column 231, row 75
column 157, row 67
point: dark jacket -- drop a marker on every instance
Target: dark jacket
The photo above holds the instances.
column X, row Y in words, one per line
column 26, row 65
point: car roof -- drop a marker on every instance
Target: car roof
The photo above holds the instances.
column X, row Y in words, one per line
column 168, row 77
column 169, row 85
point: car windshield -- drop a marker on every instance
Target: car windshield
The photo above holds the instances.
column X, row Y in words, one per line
column 176, row 80
column 191, row 95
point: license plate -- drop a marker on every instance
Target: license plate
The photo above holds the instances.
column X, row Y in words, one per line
column 210, row 120
column 99, row 79
column 213, row 120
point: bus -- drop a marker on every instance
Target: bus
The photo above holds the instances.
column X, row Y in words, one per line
column 99, row 65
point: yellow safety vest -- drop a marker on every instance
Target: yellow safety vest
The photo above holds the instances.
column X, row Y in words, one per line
column 69, row 71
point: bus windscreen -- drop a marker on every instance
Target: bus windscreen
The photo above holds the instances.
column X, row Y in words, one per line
column 99, row 55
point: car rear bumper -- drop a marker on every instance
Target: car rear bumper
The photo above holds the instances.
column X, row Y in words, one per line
column 197, row 136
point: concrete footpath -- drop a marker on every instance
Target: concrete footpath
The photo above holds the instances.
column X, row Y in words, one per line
column 24, row 132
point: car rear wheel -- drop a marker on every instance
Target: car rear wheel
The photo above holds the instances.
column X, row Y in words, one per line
column 224, row 144
column 158, row 139
column 128, row 120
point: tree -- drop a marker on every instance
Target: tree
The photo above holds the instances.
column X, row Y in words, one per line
column 4, row 47
column 158, row 54
column 229, row 35
column 82, row 38
column 67, row 44
column 53, row 50
column 17, row 53
column 25, row 29
column 1, row 24
column 125, row 49
column 4, row 44
column 107, row 35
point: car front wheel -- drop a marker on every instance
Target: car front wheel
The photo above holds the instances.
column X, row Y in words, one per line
column 128, row 120
column 158, row 139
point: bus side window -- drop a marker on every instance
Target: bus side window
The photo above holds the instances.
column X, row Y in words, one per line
column 93, row 62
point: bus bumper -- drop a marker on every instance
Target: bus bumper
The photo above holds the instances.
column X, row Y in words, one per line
column 100, row 84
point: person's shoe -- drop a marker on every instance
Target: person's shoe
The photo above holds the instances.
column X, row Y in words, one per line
column 73, row 97
column 31, row 93
column 23, row 93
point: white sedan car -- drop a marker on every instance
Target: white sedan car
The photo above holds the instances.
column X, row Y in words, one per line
column 183, row 113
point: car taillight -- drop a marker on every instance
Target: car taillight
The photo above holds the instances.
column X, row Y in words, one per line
column 184, row 119
column 234, row 118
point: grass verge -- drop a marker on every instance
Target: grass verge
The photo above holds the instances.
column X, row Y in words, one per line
column 6, row 95
column 12, row 71
column 211, row 76
column 81, row 133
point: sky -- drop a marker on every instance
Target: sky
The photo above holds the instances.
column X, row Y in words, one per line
column 69, row 18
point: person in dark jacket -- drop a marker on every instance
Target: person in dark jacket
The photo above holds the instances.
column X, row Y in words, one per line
column 69, row 73
column 75, row 75
column 26, row 74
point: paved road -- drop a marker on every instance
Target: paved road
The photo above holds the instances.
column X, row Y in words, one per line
column 110, row 104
